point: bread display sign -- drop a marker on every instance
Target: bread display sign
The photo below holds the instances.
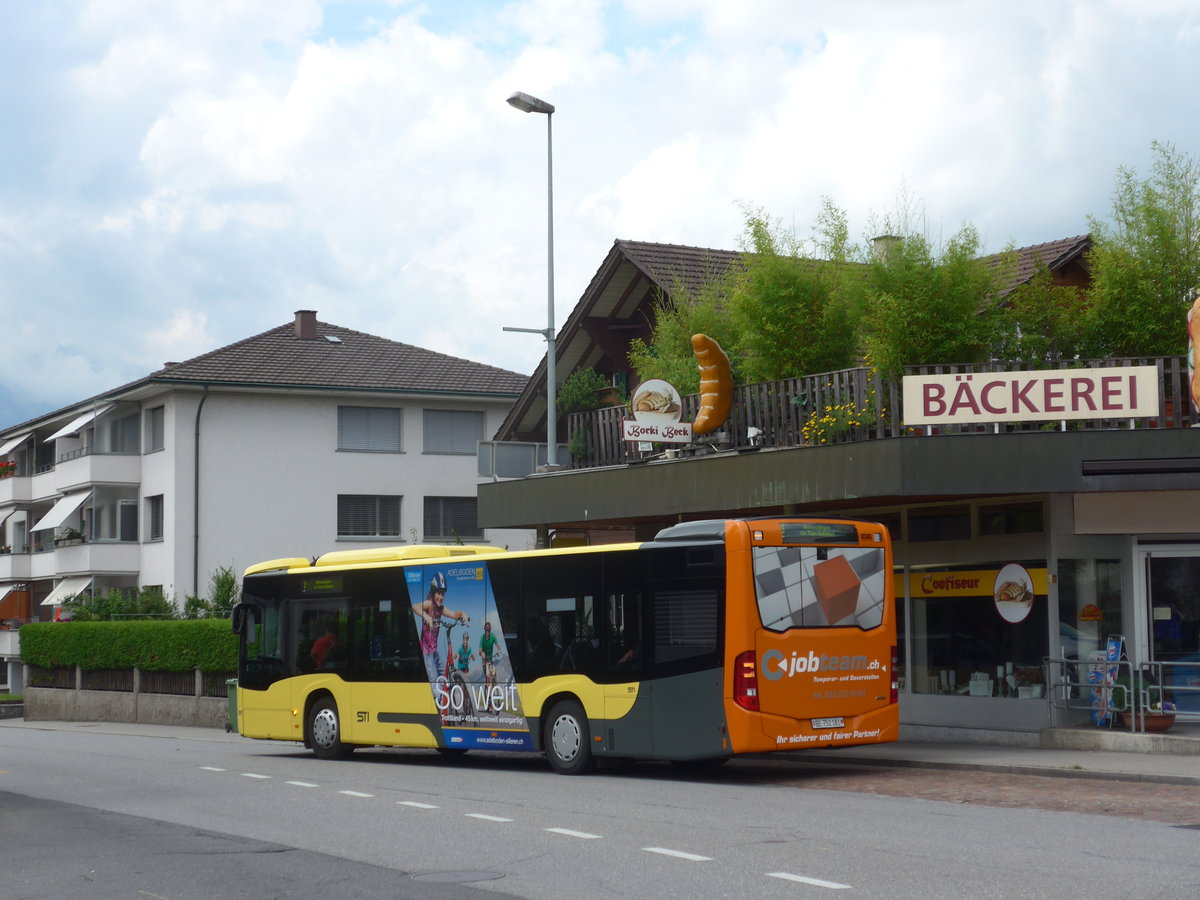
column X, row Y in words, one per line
column 657, row 407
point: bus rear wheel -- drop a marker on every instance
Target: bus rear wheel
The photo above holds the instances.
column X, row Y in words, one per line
column 325, row 731
column 567, row 739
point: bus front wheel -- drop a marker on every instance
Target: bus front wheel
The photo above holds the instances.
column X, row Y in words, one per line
column 568, row 739
column 325, row 731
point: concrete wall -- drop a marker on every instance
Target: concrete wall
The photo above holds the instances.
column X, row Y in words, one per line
column 44, row 704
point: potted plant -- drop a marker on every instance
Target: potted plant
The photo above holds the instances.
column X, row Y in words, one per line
column 1140, row 703
column 7, row 468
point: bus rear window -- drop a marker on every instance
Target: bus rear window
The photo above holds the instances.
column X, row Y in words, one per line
column 819, row 587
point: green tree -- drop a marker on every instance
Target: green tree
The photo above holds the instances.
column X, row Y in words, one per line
column 224, row 591
column 668, row 355
column 925, row 307
column 1041, row 322
column 579, row 391
column 120, row 603
column 1145, row 262
column 791, row 313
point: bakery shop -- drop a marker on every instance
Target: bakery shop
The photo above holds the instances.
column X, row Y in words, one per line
column 1036, row 512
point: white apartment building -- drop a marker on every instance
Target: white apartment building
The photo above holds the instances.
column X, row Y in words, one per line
column 305, row 438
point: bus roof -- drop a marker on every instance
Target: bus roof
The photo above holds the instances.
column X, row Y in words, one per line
column 366, row 556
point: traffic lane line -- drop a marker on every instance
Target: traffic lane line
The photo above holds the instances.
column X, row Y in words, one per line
column 569, row 833
column 566, row 832
column 815, row 882
column 678, row 854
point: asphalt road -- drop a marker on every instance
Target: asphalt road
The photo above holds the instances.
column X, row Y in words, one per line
column 131, row 816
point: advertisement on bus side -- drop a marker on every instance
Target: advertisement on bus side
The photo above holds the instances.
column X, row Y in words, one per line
column 466, row 659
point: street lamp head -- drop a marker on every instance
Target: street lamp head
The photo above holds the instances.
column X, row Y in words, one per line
column 526, row 103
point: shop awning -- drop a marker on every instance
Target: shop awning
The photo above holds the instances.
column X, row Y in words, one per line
column 67, row 588
column 61, row 510
column 78, row 422
column 13, row 443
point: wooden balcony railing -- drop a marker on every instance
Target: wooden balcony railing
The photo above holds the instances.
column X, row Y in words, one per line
column 773, row 414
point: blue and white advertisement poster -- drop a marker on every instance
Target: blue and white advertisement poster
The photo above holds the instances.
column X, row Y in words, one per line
column 1101, row 678
column 466, row 659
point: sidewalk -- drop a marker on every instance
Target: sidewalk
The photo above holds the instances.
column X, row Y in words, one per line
column 1065, row 752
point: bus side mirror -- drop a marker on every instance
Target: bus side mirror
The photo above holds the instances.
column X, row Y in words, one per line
column 238, row 618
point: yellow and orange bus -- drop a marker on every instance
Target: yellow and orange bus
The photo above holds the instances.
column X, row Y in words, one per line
column 715, row 638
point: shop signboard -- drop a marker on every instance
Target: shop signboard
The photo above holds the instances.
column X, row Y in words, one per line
column 1054, row 395
column 657, row 408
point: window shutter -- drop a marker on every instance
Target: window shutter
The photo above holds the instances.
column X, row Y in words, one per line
column 369, row 428
column 453, row 431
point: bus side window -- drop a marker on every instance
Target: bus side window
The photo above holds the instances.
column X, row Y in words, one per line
column 557, row 602
column 624, row 653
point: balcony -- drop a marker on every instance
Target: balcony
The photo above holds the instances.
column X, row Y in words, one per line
column 110, row 557
column 774, row 414
column 79, row 468
column 15, row 489
column 14, row 566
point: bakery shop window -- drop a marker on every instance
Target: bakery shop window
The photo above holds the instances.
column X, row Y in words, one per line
column 819, row 587
column 979, row 630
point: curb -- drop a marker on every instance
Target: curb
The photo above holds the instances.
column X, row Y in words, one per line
column 1043, row 771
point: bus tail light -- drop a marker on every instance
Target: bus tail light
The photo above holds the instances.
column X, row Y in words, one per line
column 745, row 681
column 894, row 697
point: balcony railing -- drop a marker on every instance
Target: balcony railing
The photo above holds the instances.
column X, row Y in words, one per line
column 773, row 414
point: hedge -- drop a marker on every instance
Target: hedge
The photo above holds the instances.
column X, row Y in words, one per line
column 173, row 646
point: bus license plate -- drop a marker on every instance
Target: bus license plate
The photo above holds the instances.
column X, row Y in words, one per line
column 829, row 723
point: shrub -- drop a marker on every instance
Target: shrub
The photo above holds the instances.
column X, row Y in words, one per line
column 173, row 646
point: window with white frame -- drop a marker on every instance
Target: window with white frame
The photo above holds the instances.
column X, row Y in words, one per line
column 154, row 518
column 154, row 422
column 370, row 428
column 450, row 518
column 453, row 431
column 368, row 515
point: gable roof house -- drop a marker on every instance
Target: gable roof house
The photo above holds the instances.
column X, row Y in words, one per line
column 1102, row 511
column 302, row 439
column 618, row 306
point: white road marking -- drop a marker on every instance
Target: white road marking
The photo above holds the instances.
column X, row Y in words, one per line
column 211, row 769
column 355, row 794
column 569, row 833
column 815, row 882
column 303, row 784
column 679, row 854
column 254, row 775
column 415, row 805
column 486, row 818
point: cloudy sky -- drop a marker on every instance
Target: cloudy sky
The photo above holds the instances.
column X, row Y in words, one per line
column 175, row 176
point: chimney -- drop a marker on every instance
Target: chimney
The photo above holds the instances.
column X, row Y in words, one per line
column 885, row 246
column 306, row 324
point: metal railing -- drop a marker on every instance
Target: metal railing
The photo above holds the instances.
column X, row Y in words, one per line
column 1124, row 694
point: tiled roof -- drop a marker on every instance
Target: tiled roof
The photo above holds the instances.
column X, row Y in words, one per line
column 355, row 360
column 672, row 265
column 1053, row 254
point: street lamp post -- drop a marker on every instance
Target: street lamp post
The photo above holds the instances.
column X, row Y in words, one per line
column 526, row 103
